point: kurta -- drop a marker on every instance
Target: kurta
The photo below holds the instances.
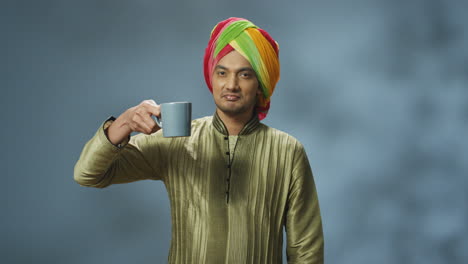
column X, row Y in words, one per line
column 225, row 207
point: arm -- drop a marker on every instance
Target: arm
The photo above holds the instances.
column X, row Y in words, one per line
column 102, row 163
column 305, row 242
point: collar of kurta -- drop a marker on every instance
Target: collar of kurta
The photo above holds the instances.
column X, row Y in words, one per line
column 249, row 128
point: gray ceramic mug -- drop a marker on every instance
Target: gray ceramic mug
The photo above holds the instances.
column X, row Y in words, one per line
column 176, row 119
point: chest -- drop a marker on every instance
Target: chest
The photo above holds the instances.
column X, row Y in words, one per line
column 232, row 170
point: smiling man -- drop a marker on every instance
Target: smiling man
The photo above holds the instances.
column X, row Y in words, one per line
column 232, row 72
column 235, row 91
column 235, row 183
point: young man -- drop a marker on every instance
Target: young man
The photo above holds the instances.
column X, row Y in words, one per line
column 235, row 182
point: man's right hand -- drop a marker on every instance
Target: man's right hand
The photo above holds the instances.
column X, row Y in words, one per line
column 135, row 119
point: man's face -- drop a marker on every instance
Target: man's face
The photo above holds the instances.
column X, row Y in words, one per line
column 235, row 85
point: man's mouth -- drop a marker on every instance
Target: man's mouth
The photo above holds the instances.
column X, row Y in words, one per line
column 231, row 97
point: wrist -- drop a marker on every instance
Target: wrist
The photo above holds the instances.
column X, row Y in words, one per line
column 118, row 131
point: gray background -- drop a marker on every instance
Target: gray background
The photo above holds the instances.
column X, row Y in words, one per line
column 375, row 90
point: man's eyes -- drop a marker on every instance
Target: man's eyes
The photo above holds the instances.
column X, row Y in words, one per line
column 246, row 74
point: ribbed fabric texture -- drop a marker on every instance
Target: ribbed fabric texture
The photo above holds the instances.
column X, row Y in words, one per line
column 222, row 211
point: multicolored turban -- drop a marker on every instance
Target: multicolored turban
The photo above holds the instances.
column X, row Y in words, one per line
column 256, row 45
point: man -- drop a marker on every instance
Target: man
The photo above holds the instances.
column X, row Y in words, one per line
column 235, row 182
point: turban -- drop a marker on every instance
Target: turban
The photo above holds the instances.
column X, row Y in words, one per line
column 255, row 45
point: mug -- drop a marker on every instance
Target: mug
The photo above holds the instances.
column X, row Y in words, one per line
column 176, row 119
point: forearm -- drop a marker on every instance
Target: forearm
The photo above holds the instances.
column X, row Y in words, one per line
column 119, row 130
column 306, row 241
column 102, row 163
column 304, row 222
column 96, row 158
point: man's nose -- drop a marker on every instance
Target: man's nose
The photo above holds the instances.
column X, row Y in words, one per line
column 232, row 83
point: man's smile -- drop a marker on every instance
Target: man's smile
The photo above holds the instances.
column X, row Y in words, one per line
column 231, row 97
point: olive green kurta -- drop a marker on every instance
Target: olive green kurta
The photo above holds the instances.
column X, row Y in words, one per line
column 222, row 210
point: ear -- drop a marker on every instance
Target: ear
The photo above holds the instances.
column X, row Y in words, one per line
column 259, row 90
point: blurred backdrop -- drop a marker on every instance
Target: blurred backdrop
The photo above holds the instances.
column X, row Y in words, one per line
column 375, row 90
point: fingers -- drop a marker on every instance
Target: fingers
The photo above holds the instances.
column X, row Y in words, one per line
column 141, row 120
column 152, row 107
column 144, row 123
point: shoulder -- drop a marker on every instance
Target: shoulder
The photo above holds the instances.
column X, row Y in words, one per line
column 281, row 137
column 157, row 141
column 278, row 134
column 202, row 121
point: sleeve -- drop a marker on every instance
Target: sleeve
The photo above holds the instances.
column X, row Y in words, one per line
column 305, row 243
column 101, row 163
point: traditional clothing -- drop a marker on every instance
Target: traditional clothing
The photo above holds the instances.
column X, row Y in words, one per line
column 255, row 45
column 229, row 200
column 223, row 210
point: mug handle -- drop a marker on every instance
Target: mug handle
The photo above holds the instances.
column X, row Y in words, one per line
column 158, row 120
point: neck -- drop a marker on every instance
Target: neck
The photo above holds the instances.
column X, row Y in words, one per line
column 235, row 123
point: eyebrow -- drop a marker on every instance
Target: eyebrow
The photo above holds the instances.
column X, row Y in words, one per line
column 239, row 70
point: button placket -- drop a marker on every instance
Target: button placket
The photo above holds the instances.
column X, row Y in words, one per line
column 228, row 178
